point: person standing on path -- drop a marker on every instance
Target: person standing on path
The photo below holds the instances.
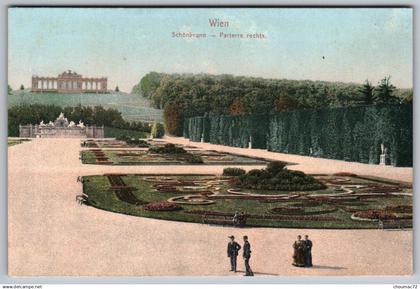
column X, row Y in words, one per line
column 232, row 252
column 308, row 251
column 299, row 252
column 247, row 255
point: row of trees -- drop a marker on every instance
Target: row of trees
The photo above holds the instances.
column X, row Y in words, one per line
column 10, row 89
column 187, row 95
column 35, row 113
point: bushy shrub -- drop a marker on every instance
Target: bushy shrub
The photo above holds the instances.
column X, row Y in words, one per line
column 233, row 172
column 276, row 167
column 277, row 177
column 158, row 130
column 168, row 148
column 193, row 159
column 138, row 143
column 123, row 137
column 133, row 141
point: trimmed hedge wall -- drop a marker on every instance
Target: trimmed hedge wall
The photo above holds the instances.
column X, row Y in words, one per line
column 351, row 134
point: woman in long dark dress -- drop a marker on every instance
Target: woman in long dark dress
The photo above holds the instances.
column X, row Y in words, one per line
column 299, row 252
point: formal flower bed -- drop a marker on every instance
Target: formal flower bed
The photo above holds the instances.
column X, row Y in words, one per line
column 134, row 142
column 345, row 174
column 209, row 212
column 180, row 153
column 375, row 214
column 400, row 208
column 171, row 197
column 300, row 211
column 162, row 206
column 266, row 217
column 288, row 210
column 293, row 218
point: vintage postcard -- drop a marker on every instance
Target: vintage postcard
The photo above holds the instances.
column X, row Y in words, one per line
column 233, row 142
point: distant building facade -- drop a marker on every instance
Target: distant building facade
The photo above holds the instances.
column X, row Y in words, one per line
column 69, row 82
column 61, row 128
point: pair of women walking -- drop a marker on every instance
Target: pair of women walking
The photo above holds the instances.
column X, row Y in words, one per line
column 302, row 255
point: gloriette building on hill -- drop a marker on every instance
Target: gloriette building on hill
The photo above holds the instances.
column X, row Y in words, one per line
column 69, row 82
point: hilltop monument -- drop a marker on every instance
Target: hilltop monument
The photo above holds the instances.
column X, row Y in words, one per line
column 69, row 82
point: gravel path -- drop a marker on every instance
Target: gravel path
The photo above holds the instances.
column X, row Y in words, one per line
column 51, row 235
column 310, row 164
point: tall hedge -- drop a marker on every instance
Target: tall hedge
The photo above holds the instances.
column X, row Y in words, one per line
column 234, row 131
column 351, row 134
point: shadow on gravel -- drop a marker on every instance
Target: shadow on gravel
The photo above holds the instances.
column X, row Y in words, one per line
column 328, row 267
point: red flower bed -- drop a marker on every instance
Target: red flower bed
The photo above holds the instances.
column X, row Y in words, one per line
column 288, row 210
column 375, row 214
column 267, row 217
column 345, row 174
column 162, row 206
column 204, row 212
column 400, row 208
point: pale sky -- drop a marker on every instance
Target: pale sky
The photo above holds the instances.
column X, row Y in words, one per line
column 125, row 44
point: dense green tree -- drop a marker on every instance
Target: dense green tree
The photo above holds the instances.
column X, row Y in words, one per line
column 285, row 102
column 117, row 89
column 199, row 94
column 158, row 130
column 366, row 93
column 237, row 107
column 9, row 89
column 22, row 87
column 384, row 92
column 148, row 84
column 174, row 118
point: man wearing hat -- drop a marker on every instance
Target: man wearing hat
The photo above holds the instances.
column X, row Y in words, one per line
column 232, row 252
column 247, row 255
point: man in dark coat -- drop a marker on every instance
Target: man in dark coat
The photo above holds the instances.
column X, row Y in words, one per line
column 308, row 251
column 232, row 252
column 247, row 255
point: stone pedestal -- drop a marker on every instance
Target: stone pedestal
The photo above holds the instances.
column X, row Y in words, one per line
column 382, row 160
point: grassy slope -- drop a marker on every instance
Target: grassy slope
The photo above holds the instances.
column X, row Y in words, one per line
column 132, row 107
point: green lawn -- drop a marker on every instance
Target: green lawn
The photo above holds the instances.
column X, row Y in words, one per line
column 97, row 188
column 117, row 132
column 12, row 142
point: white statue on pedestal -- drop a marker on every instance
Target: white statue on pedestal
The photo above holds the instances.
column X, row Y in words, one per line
column 382, row 157
column 81, row 124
